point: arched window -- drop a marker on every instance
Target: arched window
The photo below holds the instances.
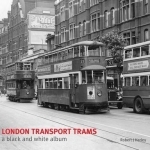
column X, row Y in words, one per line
column 106, row 19
column 112, row 16
column 146, row 35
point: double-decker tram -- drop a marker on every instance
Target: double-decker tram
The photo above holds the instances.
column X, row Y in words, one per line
column 136, row 77
column 20, row 81
column 74, row 77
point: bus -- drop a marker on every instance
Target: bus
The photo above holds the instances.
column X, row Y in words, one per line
column 20, row 81
column 74, row 77
column 136, row 77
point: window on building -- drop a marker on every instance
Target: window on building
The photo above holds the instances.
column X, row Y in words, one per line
column 72, row 31
column 80, row 29
column 112, row 16
column 71, row 9
column 93, row 2
column 145, row 6
column 127, row 9
column 132, row 8
column 127, row 38
column 109, row 53
column 63, row 35
column 106, row 19
column 93, row 23
column 62, row 13
column 84, row 27
column 146, row 35
column 133, row 37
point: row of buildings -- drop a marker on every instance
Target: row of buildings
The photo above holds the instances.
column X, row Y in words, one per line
column 64, row 22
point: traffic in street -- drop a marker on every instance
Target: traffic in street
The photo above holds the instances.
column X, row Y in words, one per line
column 26, row 126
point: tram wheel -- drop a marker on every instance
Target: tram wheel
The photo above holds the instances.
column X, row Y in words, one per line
column 138, row 106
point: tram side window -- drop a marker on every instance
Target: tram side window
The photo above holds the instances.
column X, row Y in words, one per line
column 51, row 83
column 66, row 82
column 76, row 51
column 136, row 52
column 46, row 83
column 59, row 83
column 145, row 50
column 55, row 57
column 127, row 81
column 83, row 77
column 55, row 83
column 41, row 83
column 94, row 50
column 144, row 81
column 128, row 54
column 70, row 53
column 135, row 81
column 82, row 51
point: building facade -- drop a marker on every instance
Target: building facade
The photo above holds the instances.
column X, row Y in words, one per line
column 79, row 20
column 15, row 33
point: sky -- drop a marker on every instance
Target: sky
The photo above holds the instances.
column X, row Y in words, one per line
column 5, row 6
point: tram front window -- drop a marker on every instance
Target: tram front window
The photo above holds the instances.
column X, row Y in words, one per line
column 27, row 84
column 96, row 76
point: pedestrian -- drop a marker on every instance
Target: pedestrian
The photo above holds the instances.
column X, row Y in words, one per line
column 1, row 93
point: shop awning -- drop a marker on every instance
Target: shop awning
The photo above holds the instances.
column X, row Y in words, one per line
column 94, row 67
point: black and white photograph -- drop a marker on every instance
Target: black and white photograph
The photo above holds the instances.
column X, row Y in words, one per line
column 74, row 75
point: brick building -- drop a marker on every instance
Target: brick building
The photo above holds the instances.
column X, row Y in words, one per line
column 79, row 20
column 15, row 37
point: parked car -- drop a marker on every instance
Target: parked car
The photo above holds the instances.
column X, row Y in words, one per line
column 115, row 98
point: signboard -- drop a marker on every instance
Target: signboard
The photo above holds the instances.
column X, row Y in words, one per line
column 45, row 69
column 27, row 76
column 94, row 61
column 11, row 77
column 63, row 66
column 42, row 21
column 90, row 92
column 138, row 65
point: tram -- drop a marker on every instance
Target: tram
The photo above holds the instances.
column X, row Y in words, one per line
column 20, row 81
column 74, row 77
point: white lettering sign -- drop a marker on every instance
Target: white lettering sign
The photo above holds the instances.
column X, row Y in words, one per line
column 42, row 21
column 63, row 66
column 138, row 65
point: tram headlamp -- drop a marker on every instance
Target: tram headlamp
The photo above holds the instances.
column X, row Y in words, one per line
column 27, row 93
column 99, row 93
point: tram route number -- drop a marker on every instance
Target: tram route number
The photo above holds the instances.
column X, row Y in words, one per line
column 27, row 76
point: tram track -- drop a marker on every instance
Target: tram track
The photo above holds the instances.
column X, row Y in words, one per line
column 79, row 123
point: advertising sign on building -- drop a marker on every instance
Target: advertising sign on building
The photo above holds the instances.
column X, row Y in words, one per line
column 41, row 21
column 63, row 66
